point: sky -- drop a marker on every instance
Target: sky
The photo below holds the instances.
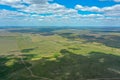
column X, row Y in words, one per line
column 59, row 12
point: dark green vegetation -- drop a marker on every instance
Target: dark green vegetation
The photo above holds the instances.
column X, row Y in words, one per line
column 60, row 54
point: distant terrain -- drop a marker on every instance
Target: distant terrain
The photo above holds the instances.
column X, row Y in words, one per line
column 60, row 53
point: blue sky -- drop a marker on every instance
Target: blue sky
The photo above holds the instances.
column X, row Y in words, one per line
column 59, row 12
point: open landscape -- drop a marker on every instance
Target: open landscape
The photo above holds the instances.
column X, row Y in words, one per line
column 59, row 39
column 60, row 53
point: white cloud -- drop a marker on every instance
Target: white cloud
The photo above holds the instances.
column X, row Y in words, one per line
column 24, row 1
column 97, row 9
column 6, row 14
column 117, row 0
column 53, row 9
column 112, row 8
column 9, row 1
column 107, row 11
column 39, row 7
column 93, row 15
column 41, row 11
column 43, row 8
column 114, row 14
column 20, row 3
column 110, row 0
column 13, row 3
column 86, row 8
column 36, row 1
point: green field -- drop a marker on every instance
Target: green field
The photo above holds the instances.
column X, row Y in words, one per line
column 7, row 44
column 60, row 54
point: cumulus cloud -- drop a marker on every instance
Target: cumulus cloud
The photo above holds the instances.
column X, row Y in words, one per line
column 36, row 1
column 107, row 11
column 54, row 9
column 25, row 1
column 117, row 0
column 12, row 14
column 44, row 8
column 21, row 3
column 86, row 8
column 110, row 0
column 97, row 9
column 43, row 11
column 13, row 3
column 9, row 1
column 39, row 7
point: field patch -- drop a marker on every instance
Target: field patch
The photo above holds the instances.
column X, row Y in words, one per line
column 8, row 44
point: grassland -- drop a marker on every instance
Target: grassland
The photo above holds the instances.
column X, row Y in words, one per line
column 60, row 54
column 7, row 44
